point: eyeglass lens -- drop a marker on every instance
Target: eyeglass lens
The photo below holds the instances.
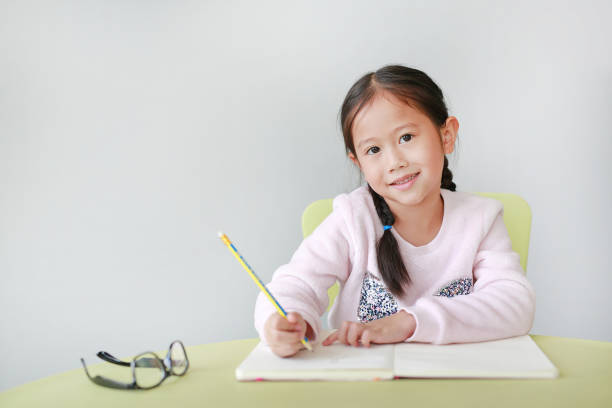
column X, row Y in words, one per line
column 148, row 370
column 178, row 358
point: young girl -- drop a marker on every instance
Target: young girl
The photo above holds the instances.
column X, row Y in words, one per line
column 415, row 259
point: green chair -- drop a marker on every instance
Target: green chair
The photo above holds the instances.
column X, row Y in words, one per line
column 517, row 217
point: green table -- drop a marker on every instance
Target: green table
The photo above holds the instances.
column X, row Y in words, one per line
column 585, row 380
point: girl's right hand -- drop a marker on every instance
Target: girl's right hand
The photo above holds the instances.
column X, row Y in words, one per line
column 284, row 335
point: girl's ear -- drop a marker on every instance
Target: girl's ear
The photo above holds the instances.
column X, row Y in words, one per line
column 449, row 134
column 354, row 160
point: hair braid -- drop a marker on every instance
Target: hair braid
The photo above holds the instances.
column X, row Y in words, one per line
column 447, row 177
column 391, row 265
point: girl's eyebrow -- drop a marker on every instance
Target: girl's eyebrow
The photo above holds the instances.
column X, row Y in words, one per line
column 406, row 125
column 400, row 127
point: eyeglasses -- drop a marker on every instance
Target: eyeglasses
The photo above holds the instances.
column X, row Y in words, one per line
column 148, row 370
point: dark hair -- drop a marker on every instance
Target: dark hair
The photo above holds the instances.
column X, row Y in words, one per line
column 420, row 92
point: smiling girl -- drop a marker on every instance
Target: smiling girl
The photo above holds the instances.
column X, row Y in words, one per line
column 415, row 259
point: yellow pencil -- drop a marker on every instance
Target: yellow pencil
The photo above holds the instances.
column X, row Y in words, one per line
column 258, row 281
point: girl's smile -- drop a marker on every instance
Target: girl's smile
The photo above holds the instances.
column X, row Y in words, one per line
column 404, row 183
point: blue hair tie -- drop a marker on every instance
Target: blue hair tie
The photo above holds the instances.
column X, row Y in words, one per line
column 386, row 227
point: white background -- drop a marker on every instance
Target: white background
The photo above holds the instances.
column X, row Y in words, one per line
column 132, row 131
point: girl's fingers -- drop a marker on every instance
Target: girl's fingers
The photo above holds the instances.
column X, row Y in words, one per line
column 287, row 337
column 293, row 317
column 353, row 334
column 330, row 339
column 284, row 335
column 293, row 322
column 350, row 334
column 365, row 338
column 342, row 333
column 286, row 350
column 280, row 323
column 296, row 321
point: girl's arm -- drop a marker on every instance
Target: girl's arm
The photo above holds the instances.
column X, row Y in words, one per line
column 301, row 285
column 501, row 305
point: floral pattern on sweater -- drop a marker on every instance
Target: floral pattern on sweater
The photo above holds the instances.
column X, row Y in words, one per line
column 457, row 287
column 376, row 301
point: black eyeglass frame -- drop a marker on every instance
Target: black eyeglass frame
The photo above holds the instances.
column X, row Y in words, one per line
column 138, row 361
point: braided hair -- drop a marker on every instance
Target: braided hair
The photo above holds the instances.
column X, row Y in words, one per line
column 414, row 87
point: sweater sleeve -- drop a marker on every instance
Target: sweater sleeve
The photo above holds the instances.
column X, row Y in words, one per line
column 501, row 305
column 301, row 285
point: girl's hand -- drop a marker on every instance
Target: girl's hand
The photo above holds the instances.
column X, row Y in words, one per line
column 284, row 335
column 391, row 329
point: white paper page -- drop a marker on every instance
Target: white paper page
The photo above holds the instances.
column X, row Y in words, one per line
column 516, row 357
column 335, row 362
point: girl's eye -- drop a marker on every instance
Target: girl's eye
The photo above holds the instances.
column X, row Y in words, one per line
column 372, row 150
column 406, row 137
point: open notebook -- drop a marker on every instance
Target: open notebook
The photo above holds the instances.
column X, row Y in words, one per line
column 516, row 357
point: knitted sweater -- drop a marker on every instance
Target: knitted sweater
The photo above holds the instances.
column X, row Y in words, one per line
column 467, row 284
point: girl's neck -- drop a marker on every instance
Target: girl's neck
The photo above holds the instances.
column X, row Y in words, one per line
column 420, row 224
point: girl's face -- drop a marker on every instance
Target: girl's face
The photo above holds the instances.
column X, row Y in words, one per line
column 394, row 142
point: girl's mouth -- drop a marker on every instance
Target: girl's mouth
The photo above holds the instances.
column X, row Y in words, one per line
column 405, row 182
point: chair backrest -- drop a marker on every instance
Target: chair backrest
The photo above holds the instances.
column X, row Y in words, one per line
column 517, row 217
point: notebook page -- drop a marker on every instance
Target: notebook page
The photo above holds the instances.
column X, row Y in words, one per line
column 516, row 357
column 335, row 362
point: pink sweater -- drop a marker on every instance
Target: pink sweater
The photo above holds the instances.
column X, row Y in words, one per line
column 467, row 284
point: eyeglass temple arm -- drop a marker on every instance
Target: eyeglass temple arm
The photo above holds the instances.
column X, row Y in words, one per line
column 107, row 382
column 141, row 362
column 111, row 359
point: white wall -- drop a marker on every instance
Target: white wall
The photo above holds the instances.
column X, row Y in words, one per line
column 132, row 131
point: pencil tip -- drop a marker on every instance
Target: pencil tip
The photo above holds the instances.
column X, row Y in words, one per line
column 220, row 234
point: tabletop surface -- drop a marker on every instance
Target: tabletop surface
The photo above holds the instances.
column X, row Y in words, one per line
column 585, row 380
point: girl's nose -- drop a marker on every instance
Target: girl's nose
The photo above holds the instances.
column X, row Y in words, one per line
column 396, row 161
